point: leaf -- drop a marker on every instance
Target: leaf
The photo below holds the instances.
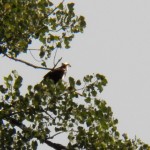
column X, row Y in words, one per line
column 71, row 136
column 60, row 6
column 125, row 136
column 82, row 22
column 29, row 88
column 98, row 76
column 78, row 82
column 88, row 100
column 18, row 82
column 2, row 89
column 59, row 45
column 102, row 78
column 42, row 53
column 15, row 73
column 71, row 81
column 100, row 88
column 34, row 145
column 37, row 87
column 70, row 6
column 94, row 93
column 10, row 78
column 89, row 122
column 44, row 64
column 97, row 101
column 104, row 82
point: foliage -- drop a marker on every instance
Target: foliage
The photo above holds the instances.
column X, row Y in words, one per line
column 23, row 21
column 47, row 110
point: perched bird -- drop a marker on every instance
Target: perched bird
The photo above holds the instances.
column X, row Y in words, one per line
column 58, row 73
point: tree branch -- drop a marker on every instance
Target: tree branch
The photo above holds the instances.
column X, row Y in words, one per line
column 27, row 63
column 55, row 146
column 55, row 135
column 25, row 129
column 57, row 62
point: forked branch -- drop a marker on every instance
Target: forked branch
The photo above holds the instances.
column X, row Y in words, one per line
column 27, row 63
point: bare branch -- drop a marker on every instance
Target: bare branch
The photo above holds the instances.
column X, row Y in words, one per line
column 27, row 63
column 55, row 135
column 57, row 62
column 55, row 56
column 55, row 145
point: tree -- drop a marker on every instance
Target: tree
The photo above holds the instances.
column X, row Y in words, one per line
column 47, row 110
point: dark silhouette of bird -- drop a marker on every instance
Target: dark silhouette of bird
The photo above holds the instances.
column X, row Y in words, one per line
column 58, row 73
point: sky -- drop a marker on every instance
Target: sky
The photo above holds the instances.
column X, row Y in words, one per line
column 115, row 43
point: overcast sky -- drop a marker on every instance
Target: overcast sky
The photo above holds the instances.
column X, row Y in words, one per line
column 116, row 44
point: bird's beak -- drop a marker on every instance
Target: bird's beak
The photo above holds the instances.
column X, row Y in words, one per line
column 69, row 65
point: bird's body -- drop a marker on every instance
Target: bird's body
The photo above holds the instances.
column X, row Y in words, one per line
column 58, row 73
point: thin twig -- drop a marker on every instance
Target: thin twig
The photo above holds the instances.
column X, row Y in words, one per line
column 48, row 114
column 78, row 93
column 27, row 63
column 55, row 56
column 57, row 62
column 34, row 57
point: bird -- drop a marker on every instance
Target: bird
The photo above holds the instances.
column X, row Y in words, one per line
column 58, row 73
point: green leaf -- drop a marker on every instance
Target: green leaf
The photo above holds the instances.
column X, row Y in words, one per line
column 18, row 82
column 94, row 93
column 88, row 100
column 98, row 76
column 60, row 6
column 71, row 81
column 42, row 53
column 44, row 64
column 89, row 122
column 34, row 145
column 100, row 88
column 10, row 78
column 2, row 89
column 71, row 136
column 29, row 88
column 59, row 45
column 37, row 87
column 78, row 82
column 70, row 6
column 97, row 101
column 104, row 82
column 82, row 22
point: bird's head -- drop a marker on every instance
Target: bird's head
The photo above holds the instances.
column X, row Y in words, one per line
column 66, row 64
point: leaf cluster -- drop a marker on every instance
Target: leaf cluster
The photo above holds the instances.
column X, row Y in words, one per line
column 47, row 110
column 24, row 21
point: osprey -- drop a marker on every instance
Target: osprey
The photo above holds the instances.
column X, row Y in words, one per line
column 58, row 73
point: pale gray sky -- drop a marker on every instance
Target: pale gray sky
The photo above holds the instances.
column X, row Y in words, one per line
column 115, row 43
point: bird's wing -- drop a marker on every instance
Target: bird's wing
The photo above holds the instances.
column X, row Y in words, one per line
column 57, row 73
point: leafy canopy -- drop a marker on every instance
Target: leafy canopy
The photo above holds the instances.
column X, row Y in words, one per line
column 47, row 110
